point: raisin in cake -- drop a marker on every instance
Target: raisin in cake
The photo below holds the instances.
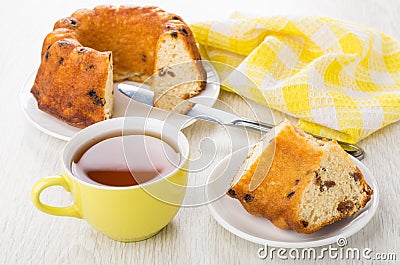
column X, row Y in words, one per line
column 89, row 50
column 310, row 183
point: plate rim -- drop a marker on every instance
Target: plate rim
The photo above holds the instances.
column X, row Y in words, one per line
column 25, row 96
column 363, row 221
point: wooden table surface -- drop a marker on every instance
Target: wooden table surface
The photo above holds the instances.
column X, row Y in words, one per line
column 29, row 236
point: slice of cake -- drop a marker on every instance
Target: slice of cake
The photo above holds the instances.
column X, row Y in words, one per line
column 179, row 72
column 299, row 182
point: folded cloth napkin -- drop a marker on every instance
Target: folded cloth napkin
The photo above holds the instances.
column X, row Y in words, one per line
column 342, row 80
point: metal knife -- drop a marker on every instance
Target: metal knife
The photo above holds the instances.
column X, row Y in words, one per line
column 204, row 112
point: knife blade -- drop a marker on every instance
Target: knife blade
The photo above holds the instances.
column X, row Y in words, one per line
column 203, row 112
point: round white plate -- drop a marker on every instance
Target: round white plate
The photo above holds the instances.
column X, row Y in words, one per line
column 231, row 215
column 122, row 107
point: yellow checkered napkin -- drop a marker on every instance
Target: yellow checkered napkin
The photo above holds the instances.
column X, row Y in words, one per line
column 340, row 79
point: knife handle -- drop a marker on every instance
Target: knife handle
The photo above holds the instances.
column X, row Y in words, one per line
column 351, row 149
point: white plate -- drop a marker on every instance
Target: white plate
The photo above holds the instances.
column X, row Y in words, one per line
column 56, row 128
column 231, row 215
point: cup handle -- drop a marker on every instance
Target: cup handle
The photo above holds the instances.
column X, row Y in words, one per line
column 43, row 184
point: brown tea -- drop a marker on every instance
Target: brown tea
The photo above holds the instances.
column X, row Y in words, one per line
column 126, row 161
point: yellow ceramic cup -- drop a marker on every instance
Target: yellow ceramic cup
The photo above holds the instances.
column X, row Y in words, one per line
column 122, row 213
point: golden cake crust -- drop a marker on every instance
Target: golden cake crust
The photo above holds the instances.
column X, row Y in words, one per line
column 55, row 83
column 131, row 33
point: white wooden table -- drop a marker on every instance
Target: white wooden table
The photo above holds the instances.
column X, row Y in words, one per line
column 28, row 236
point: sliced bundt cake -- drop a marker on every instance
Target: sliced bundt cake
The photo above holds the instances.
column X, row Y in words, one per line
column 87, row 51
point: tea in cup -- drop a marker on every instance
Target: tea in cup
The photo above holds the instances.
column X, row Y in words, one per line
column 127, row 177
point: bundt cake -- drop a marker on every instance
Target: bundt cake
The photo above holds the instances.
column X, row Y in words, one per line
column 86, row 52
column 299, row 182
